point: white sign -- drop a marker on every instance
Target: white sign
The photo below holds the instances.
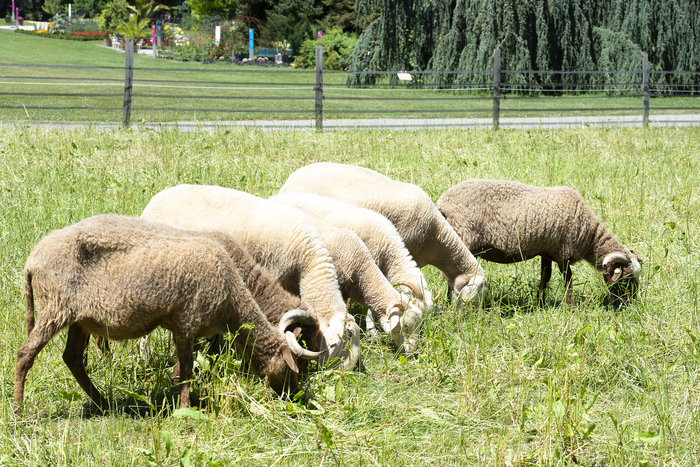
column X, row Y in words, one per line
column 404, row 76
column 217, row 35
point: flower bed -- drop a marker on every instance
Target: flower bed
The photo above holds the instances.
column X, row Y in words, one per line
column 95, row 35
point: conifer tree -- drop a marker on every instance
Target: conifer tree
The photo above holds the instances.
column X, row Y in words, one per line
column 538, row 35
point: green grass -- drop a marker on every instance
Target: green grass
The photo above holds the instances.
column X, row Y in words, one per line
column 511, row 384
column 198, row 92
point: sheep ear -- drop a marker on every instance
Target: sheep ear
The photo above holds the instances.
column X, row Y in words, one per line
column 289, row 358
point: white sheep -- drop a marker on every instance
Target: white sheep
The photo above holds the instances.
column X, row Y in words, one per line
column 426, row 234
column 120, row 278
column 277, row 237
column 376, row 232
column 383, row 242
column 362, row 282
column 507, row 222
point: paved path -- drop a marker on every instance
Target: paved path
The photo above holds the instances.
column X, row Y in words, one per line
column 546, row 123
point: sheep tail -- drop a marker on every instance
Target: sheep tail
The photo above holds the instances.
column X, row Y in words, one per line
column 29, row 298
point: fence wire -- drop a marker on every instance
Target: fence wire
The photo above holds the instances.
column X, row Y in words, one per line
column 296, row 92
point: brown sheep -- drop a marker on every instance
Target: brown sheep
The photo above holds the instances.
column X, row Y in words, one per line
column 508, row 222
column 120, row 278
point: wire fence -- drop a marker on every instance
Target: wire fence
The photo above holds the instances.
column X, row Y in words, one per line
column 115, row 94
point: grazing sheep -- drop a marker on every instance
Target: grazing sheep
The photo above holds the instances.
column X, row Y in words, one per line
column 384, row 244
column 427, row 236
column 120, row 278
column 362, row 282
column 277, row 237
column 376, row 232
column 274, row 301
column 507, row 222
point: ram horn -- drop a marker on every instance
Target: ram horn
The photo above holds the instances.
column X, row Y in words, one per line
column 417, row 292
column 616, row 257
column 300, row 351
column 299, row 317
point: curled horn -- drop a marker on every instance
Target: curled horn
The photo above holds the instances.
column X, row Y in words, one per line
column 298, row 317
column 417, row 292
column 300, row 351
column 617, row 257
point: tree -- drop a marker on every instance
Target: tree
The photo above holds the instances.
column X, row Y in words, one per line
column 576, row 35
column 114, row 13
column 294, row 21
column 226, row 9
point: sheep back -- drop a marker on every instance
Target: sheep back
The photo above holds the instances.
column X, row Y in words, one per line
column 426, row 234
column 506, row 222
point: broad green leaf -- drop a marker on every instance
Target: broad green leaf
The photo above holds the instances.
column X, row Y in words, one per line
column 188, row 412
column 649, row 437
column 167, row 441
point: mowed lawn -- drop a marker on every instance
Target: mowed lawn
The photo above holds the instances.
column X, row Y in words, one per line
column 513, row 383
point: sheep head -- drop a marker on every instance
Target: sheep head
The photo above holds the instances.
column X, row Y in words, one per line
column 276, row 370
column 341, row 340
column 621, row 273
column 403, row 320
column 471, row 292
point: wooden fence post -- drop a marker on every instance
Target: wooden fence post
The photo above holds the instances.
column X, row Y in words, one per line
column 496, row 87
column 645, row 89
column 128, row 79
column 319, row 88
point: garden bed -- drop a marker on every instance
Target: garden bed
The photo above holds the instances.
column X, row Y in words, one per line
column 74, row 36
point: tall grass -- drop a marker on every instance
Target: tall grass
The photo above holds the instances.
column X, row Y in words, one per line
column 511, row 384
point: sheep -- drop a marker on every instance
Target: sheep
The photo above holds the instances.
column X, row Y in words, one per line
column 376, row 232
column 507, row 222
column 426, row 234
column 273, row 300
column 278, row 238
column 383, row 242
column 361, row 281
column 120, row 278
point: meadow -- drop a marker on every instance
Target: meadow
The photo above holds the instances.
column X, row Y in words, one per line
column 513, row 383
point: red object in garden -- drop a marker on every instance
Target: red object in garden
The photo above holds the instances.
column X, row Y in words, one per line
column 95, row 34
column 20, row 21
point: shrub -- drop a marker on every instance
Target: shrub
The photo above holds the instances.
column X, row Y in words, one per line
column 337, row 47
column 82, row 25
column 184, row 53
column 116, row 12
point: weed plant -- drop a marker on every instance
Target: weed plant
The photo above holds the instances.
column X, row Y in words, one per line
column 513, row 383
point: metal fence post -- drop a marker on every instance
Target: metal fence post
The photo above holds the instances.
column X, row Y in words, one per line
column 319, row 88
column 496, row 87
column 128, row 79
column 645, row 89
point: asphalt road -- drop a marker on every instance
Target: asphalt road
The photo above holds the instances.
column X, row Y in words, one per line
column 394, row 123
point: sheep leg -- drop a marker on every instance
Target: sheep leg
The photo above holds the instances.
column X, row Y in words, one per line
column 102, row 344
column 545, row 276
column 568, row 282
column 185, row 350
column 39, row 336
column 26, row 354
column 76, row 343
